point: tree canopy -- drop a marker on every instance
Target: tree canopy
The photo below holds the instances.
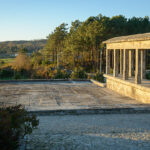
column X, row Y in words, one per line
column 81, row 44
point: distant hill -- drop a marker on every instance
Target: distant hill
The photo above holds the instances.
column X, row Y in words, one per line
column 10, row 48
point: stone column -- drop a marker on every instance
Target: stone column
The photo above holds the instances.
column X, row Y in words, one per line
column 115, row 71
column 121, row 61
column 131, row 71
column 112, row 58
column 125, row 64
column 138, row 66
column 143, row 63
column 107, row 61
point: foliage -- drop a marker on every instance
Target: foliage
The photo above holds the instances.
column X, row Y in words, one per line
column 15, row 123
column 55, row 42
column 36, row 59
column 6, row 62
column 99, row 77
column 17, row 76
column 6, row 72
column 2, row 62
column 10, row 48
column 78, row 73
column 22, row 61
column 81, row 45
column 42, row 72
column 22, row 66
column 111, row 70
column 60, row 74
column 148, row 75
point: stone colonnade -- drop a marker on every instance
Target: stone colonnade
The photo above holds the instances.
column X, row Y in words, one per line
column 127, row 58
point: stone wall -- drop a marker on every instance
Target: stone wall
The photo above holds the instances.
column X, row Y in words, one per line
column 126, row 88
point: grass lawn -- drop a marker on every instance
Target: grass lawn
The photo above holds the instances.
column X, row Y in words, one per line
column 5, row 61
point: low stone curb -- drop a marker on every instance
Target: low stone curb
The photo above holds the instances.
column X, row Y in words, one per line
column 43, row 80
column 98, row 83
column 92, row 111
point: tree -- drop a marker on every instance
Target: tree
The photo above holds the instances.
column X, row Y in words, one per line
column 82, row 44
column 22, row 61
column 55, row 41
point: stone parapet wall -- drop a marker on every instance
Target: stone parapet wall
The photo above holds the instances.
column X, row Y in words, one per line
column 126, row 88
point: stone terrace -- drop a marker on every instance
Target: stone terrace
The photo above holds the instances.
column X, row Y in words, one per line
column 63, row 95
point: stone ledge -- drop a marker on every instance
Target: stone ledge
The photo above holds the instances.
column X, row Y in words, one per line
column 92, row 111
column 43, row 80
column 126, row 82
column 129, row 89
column 98, row 83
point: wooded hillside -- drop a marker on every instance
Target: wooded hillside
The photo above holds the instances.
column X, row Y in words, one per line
column 10, row 48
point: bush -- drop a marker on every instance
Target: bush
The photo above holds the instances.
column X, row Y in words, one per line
column 111, row 70
column 148, row 75
column 99, row 77
column 6, row 72
column 15, row 123
column 2, row 62
column 17, row 76
column 78, row 73
column 59, row 74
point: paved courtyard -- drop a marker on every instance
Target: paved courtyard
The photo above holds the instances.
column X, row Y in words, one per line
column 63, row 95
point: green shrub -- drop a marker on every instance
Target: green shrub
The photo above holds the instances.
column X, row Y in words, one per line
column 78, row 73
column 148, row 75
column 15, row 123
column 2, row 62
column 111, row 70
column 6, row 72
column 17, row 75
column 59, row 74
column 99, row 77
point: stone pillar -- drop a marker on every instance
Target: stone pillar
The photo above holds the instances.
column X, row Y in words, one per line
column 112, row 58
column 115, row 71
column 138, row 66
column 131, row 69
column 107, row 61
column 143, row 63
column 121, row 61
column 125, row 64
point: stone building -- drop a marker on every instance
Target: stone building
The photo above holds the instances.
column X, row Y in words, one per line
column 129, row 63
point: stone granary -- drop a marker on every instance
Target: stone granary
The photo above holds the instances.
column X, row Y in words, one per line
column 129, row 63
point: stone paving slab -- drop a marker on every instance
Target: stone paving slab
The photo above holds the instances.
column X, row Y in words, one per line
column 91, row 132
column 63, row 95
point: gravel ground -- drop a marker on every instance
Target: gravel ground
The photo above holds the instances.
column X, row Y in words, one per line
column 91, row 132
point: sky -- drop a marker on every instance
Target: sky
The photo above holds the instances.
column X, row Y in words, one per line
column 36, row 19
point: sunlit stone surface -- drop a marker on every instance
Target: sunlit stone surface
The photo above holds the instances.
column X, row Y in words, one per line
column 63, row 95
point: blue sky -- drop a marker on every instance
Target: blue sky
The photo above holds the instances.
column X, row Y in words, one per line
column 35, row 19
